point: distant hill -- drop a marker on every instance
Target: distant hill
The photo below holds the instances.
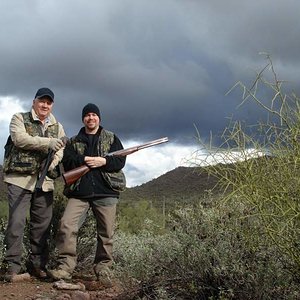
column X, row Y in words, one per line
column 180, row 183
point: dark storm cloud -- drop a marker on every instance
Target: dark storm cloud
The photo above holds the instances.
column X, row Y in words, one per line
column 155, row 68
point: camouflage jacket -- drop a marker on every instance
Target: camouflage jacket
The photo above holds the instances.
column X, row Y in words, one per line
column 105, row 181
column 30, row 145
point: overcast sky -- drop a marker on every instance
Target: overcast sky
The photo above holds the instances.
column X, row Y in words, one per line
column 155, row 68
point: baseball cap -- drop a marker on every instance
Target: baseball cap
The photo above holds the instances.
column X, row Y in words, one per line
column 44, row 92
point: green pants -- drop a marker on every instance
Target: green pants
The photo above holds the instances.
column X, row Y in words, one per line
column 73, row 218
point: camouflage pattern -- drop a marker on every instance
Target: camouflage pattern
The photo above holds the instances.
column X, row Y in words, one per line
column 17, row 160
column 116, row 180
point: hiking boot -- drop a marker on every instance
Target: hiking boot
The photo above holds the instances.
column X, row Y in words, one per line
column 38, row 273
column 14, row 277
column 6, row 273
column 58, row 274
column 9, row 276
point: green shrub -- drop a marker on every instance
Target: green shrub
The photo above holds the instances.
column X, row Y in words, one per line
column 3, row 224
column 207, row 255
column 140, row 216
column 269, row 184
column 3, row 210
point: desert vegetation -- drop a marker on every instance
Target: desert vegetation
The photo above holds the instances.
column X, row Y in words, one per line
column 237, row 240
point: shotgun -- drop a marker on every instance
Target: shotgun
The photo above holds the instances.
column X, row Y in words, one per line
column 73, row 175
column 46, row 166
column 44, row 170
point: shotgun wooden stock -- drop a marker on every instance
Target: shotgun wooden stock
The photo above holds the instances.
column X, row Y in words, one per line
column 73, row 175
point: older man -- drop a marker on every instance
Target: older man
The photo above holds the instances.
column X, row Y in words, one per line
column 33, row 135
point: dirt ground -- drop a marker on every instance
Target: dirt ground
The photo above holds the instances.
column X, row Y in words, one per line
column 45, row 290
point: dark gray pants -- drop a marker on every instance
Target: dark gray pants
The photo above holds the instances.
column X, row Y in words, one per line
column 40, row 213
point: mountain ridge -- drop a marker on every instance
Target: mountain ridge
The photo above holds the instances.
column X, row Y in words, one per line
column 181, row 182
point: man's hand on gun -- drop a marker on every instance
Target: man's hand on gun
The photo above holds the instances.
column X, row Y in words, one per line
column 56, row 144
column 95, row 161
